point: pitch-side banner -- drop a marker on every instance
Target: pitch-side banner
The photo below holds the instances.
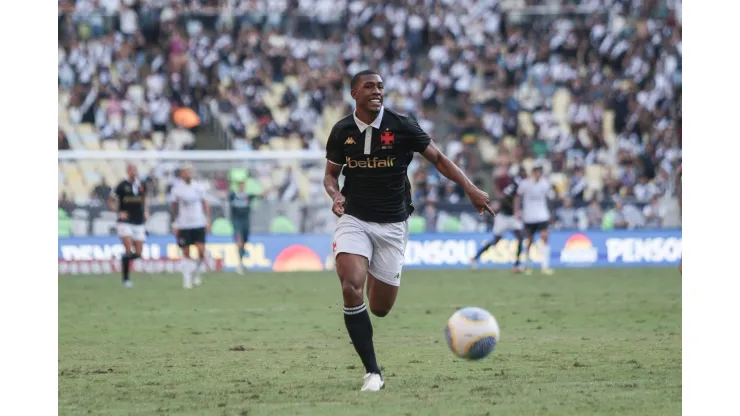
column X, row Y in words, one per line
column 96, row 255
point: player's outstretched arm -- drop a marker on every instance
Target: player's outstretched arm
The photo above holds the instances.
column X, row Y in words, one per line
column 450, row 170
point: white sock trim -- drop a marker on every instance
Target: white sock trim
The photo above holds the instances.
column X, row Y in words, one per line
column 355, row 309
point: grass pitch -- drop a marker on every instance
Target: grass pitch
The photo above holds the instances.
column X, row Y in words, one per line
column 581, row 342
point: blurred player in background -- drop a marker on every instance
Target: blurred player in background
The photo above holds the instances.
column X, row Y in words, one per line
column 372, row 148
column 192, row 221
column 679, row 192
column 240, row 204
column 506, row 186
column 531, row 205
column 129, row 200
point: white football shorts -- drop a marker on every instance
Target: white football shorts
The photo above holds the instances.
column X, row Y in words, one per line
column 504, row 223
column 136, row 232
column 384, row 245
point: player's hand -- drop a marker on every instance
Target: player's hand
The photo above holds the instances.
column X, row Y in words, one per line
column 208, row 226
column 480, row 200
column 518, row 215
column 146, row 216
column 338, row 206
column 175, row 231
column 123, row 215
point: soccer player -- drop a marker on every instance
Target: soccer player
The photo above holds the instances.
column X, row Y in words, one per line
column 372, row 148
column 533, row 194
column 241, row 207
column 506, row 187
column 192, row 221
column 679, row 191
column 129, row 199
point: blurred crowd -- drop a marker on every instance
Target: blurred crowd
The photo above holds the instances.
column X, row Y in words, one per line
column 589, row 83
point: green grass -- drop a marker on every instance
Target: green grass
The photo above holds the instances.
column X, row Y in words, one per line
column 581, row 342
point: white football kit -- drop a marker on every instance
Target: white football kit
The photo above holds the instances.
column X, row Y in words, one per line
column 189, row 197
column 534, row 195
column 536, row 214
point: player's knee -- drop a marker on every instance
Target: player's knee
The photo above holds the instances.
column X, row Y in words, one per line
column 380, row 311
column 352, row 271
column 351, row 291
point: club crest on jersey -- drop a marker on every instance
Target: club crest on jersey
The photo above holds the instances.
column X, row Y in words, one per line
column 387, row 139
column 349, row 141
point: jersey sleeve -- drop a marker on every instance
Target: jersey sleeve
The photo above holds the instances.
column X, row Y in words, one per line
column 334, row 148
column 418, row 139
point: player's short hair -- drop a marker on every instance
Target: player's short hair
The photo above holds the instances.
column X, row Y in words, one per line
column 186, row 166
column 357, row 76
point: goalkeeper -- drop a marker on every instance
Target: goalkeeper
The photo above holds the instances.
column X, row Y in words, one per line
column 240, row 204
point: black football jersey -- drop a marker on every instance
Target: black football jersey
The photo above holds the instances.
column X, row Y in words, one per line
column 131, row 200
column 376, row 185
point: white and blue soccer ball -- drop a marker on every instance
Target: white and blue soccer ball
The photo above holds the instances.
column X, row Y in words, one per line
column 472, row 333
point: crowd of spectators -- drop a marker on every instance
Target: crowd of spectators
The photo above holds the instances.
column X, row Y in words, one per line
column 469, row 71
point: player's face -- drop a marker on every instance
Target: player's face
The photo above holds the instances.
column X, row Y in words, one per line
column 537, row 173
column 186, row 174
column 131, row 171
column 368, row 93
column 241, row 187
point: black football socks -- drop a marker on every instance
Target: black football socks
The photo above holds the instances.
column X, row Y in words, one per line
column 483, row 249
column 360, row 331
column 519, row 244
column 126, row 263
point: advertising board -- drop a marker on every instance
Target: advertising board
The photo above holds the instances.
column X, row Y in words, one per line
column 312, row 252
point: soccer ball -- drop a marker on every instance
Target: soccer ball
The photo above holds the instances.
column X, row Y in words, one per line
column 472, row 333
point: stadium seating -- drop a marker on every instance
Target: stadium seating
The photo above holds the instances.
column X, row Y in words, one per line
column 451, row 225
column 222, row 227
column 417, row 224
column 308, row 76
column 64, row 223
column 282, row 225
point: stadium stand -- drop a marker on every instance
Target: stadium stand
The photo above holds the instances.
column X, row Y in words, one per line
column 589, row 85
